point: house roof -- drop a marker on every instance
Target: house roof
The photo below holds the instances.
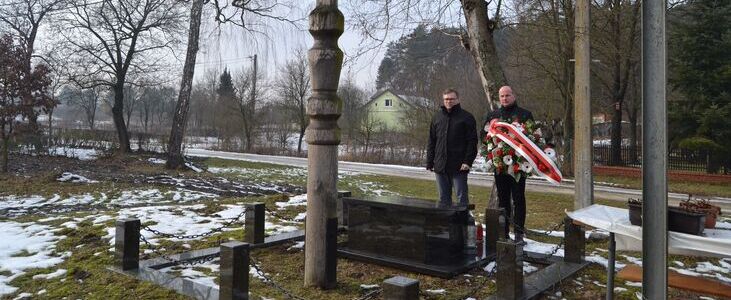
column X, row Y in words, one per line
column 412, row 100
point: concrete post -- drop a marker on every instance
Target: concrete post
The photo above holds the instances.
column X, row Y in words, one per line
column 400, row 288
column 254, row 223
column 509, row 270
column 323, row 135
column 234, row 276
column 127, row 244
column 583, row 146
column 654, row 152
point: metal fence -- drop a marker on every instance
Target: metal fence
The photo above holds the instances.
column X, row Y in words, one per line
column 678, row 159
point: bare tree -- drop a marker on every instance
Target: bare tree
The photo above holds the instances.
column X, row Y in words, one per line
column 376, row 19
column 110, row 41
column 85, row 99
column 616, row 44
column 24, row 19
column 293, row 87
column 245, row 102
column 236, row 12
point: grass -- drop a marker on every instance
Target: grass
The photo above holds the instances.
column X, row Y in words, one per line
column 675, row 186
column 88, row 278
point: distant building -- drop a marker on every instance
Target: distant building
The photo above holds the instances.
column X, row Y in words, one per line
column 388, row 108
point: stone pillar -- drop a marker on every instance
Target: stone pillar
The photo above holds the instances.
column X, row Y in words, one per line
column 234, row 276
column 509, row 270
column 127, row 244
column 494, row 228
column 254, row 223
column 575, row 242
column 400, row 288
column 323, row 136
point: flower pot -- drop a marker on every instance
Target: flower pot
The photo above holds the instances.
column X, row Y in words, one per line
column 679, row 220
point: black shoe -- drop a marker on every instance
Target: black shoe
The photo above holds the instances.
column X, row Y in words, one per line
column 519, row 239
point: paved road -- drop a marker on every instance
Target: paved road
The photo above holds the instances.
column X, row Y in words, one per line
column 479, row 179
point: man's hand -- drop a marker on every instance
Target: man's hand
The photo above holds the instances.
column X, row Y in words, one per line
column 464, row 167
column 430, row 169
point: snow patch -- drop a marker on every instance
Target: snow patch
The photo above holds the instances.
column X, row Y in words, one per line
column 35, row 242
column 74, row 178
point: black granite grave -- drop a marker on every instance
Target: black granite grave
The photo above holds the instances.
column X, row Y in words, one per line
column 410, row 234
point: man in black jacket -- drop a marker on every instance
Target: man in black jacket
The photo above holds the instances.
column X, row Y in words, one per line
column 452, row 148
column 509, row 112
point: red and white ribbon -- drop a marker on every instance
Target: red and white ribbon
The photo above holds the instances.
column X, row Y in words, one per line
column 541, row 163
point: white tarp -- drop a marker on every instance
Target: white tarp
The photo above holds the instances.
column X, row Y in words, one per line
column 713, row 242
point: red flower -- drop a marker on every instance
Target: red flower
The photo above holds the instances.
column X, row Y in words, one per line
column 489, row 155
column 516, row 168
column 500, row 169
column 499, row 152
column 511, row 152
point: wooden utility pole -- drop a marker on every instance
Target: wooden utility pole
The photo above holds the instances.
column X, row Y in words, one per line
column 583, row 146
column 323, row 137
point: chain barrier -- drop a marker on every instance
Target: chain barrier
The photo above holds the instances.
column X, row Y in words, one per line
column 192, row 262
column 280, row 216
column 269, row 281
column 187, row 263
column 371, row 294
column 545, row 234
column 219, row 229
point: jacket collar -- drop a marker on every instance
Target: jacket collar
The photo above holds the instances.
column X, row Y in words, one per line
column 455, row 108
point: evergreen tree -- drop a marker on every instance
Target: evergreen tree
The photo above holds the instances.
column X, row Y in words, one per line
column 700, row 65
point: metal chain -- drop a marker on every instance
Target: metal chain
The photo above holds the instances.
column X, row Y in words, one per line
column 226, row 224
column 280, row 216
column 269, row 281
column 189, row 263
column 371, row 294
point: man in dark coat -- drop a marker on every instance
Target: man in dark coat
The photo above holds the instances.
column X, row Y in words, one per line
column 452, row 148
column 509, row 111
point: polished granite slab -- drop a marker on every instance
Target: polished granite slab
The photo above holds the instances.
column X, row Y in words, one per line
column 411, row 234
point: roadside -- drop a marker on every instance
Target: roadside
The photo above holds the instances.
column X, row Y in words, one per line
column 617, row 190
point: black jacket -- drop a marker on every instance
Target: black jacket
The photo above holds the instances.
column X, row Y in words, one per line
column 452, row 140
column 508, row 114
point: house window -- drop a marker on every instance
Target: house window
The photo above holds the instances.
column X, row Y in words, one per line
column 389, row 102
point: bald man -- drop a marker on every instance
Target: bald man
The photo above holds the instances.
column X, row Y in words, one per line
column 507, row 187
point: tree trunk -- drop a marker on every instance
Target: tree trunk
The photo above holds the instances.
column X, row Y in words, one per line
column 615, row 157
column 4, row 152
column 299, row 144
column 481, row 46
column 177, row 132
column 118, row 116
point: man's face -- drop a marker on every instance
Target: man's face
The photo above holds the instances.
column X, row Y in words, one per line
column 506, row 96
column 450, row 100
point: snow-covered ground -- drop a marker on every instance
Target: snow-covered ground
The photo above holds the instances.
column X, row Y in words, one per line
column 32, row 247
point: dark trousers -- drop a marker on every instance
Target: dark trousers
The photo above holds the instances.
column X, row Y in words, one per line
column 508, row 188
column 445, row 182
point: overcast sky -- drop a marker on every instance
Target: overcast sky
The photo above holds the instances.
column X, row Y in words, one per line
column 232, row 47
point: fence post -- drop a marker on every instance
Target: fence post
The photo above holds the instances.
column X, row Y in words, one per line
column 575, row 241
column 342, row 209
column 400, row 288
column 254, row 223
column 509, row 270
column 234, row 276
column 127, row 244
column 494, row 228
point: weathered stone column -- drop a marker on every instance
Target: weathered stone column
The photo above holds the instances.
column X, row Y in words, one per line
column 323, row 137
